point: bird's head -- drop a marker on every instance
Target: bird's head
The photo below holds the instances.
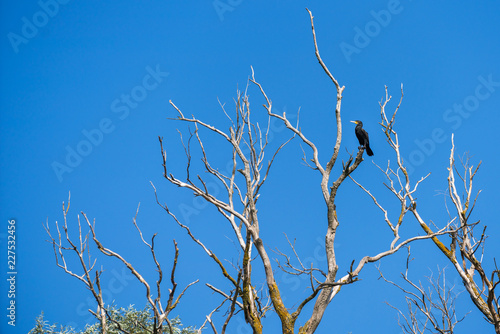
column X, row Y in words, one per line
column 357, row 122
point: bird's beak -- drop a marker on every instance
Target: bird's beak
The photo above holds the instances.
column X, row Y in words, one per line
column 354, row 122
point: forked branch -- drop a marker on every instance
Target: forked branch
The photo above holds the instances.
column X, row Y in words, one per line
column 81, row 250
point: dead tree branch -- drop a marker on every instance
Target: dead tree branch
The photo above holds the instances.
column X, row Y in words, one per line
column 436, row 303
column 81, row 250
column 462, row 252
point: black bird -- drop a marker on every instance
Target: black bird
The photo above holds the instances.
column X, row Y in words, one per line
column 362, row 136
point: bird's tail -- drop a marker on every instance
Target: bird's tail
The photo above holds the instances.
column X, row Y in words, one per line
column 369, row 150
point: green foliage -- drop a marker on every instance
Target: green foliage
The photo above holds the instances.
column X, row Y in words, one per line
column 42, row 327
column 130, row 320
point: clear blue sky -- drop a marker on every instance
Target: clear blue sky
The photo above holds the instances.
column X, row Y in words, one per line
column 95, row 78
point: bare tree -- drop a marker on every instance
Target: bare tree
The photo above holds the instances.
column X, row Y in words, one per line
column 466, row 249
column 247, row 142
column 62, row 244
column 431, row 307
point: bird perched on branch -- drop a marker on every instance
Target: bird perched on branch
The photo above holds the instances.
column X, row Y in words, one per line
column 362, row 136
